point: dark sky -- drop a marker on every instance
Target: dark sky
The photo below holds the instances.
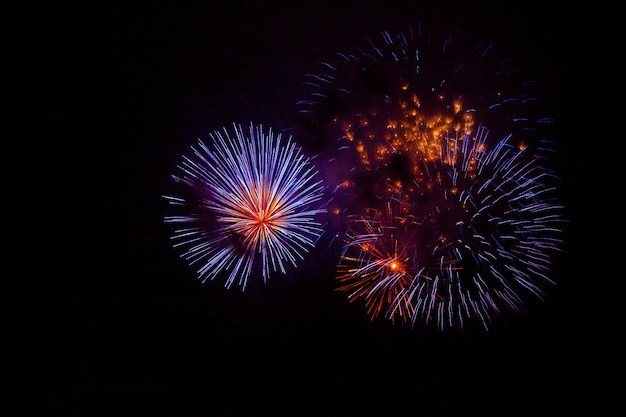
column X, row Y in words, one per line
column 101, row 315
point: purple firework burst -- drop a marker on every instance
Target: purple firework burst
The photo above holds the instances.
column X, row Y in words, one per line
column 248, row 203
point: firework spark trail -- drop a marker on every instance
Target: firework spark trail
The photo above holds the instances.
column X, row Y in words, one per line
column 251, row 196
column 376, row 261
column 457, row 138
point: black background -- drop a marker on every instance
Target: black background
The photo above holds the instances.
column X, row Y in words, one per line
column 101, row 316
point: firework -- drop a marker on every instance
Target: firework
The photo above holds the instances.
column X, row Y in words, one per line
column 475, row 242
column 378, row 260
column 448, row 148
column 248, row 202
column 380, row 110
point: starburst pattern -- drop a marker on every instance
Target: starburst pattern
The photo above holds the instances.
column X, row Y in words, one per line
column 248, row 202
column 475, row 240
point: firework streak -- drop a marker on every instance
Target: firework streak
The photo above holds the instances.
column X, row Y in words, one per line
column 248, row 203
column 447, row 149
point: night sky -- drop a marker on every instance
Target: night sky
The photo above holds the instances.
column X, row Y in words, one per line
column 101, row 315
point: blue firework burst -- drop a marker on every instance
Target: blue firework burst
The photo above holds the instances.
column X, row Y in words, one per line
column 475, row 240
column 248, row 204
